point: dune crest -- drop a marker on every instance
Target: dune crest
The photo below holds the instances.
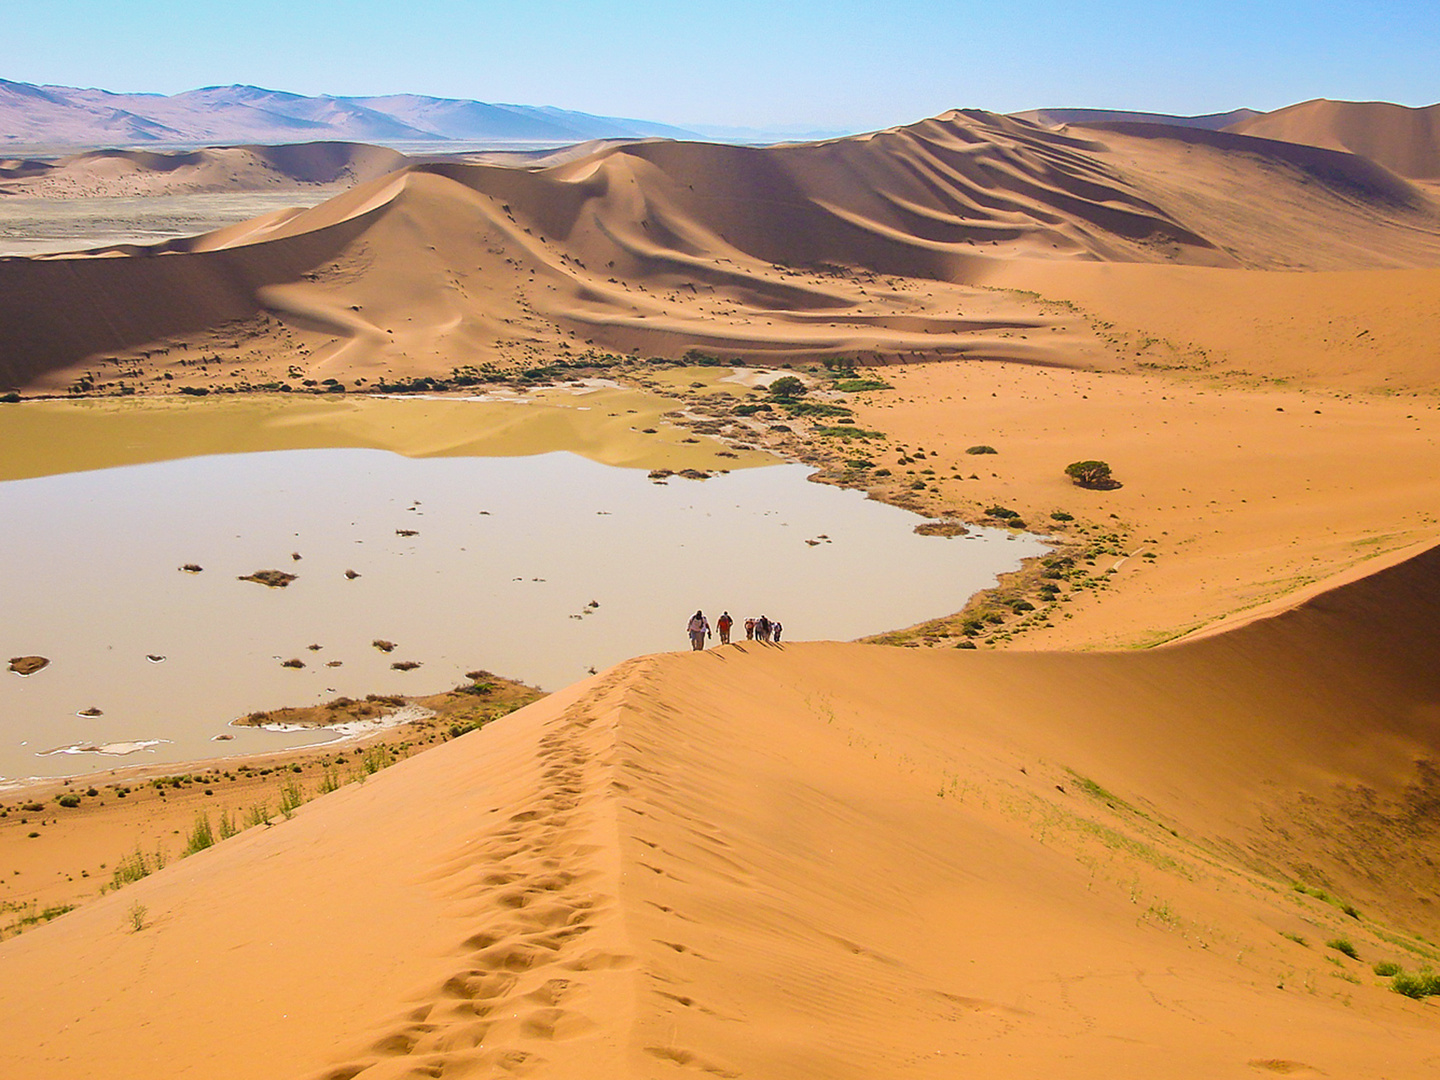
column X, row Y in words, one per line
column 1404, row 140
column 819, row 859
column 880, row 243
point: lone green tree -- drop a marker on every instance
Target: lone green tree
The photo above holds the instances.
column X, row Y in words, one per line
column 787, row 386
column 1090, row 474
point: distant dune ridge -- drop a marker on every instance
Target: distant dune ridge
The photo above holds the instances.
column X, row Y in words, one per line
column 1209, row 121
column 598, row 245
column 1406, row 141
column 67, row 116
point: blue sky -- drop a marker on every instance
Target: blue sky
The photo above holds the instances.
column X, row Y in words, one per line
column 839, row 64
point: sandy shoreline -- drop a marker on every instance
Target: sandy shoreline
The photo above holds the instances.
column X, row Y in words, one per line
column 78, row 848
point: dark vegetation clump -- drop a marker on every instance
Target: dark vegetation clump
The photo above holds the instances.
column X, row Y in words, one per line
column 1092, row 474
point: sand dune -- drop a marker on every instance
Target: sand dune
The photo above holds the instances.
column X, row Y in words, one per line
column 846, row 860
column 758, row 253
column 110, row 173
column 1406, row 141
column 1208, row 121
column 821, row 860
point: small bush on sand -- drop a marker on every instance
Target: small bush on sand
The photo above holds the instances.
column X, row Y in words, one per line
column 1387, row 968
column 1342, row 945
column 1423, row 984
column 787, row 386
column 292, row 796
column 131, row 868
column 201, row 834
column 981, row 449
column 1091, row 474
column 228, row 825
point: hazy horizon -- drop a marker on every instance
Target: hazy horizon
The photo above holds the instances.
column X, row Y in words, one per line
column 840, row 66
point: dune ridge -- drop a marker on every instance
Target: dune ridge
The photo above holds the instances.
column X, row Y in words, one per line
column 820, row 859
column 764, row 253
column 1404, row 140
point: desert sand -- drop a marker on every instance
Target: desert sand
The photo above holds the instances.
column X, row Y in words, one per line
column 821, row 860
column 1065, row 852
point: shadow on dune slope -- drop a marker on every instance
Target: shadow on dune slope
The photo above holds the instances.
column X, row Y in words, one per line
column 867, row 243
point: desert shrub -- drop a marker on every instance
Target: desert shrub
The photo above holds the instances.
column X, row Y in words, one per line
column 1387, row 968
column 1343, row 945
column 855, row 386
column 752, row 409
column 1423, row 984
column 818, row 408
column 131, row 868
column 1061, row 515
column 882, row 472
column 1004, row 513
column 1016, row 523
column 1090, row 474
column 376, row 758
column 228, row 825
column 201, row 835
column 981, row 449
column 11, row 398
column 1022, row 606
column 292, row 795
column 787, row 386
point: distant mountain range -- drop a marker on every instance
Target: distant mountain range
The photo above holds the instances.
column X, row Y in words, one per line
column 63, row 116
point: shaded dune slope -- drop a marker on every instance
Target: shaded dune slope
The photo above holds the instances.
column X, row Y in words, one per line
column 766, row 253
column 821, row 860
column 1404, row 140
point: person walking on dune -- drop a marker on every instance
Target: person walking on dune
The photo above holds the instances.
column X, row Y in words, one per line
column 762, row 629
column 749, row 629
column 699, row 631
column 723, row 624
column 775, row 630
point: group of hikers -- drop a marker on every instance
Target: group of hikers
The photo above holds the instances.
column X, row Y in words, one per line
column 761, row 629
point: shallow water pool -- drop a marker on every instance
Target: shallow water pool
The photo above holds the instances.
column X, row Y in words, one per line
column 538, row 568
